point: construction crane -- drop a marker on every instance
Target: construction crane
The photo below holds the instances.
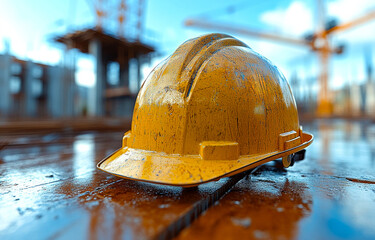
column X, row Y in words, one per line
column 121, row 17
column 103, row 12
column 317, row 42
column 100, row 13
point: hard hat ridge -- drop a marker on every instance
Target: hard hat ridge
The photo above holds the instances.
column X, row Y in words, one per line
column 201, row 51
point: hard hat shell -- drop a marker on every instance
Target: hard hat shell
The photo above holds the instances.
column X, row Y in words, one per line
column 214, row 108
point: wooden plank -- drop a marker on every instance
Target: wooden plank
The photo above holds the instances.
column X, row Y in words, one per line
column 66, row 197
column 29, row 166
column 270, row 206
column 329, row 195
column 264, row 207
column 74, row 124
column 98, row 205
column 28, row 141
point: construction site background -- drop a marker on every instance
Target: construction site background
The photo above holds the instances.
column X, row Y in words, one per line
column 122, row 52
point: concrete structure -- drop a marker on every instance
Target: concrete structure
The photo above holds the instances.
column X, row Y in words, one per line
column 5, row 95
column 29, row 89
column 104, row 99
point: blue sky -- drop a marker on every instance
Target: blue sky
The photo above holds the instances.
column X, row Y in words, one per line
column 30, row 25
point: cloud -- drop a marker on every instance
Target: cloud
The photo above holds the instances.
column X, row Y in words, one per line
column 295, row 20
column 299, row 18
column 45, row 54
column 346, row 10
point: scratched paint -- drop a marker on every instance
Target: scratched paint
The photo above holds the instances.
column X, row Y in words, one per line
column 212, row 89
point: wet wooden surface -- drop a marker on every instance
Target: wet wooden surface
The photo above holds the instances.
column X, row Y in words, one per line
column 50, row 188
column 329, row 195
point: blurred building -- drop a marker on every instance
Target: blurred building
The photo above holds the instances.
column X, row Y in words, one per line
column 356, row 99
column 106, row 99
column 34, row 90
column 29, row 89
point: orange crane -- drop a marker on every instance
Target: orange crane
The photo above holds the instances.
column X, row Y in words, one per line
column 121, row 17
column 103, row 8
column 100, row 13
column 317, row 42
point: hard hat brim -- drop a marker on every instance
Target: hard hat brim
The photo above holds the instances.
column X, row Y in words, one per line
column 187, row 170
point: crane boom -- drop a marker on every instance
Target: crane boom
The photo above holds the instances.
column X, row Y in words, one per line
column 354, row 23
column 319, row 42
column 246, row 31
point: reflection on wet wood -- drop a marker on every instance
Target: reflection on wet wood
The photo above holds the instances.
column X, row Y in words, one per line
column 256, row 208
column 329, row 195
column 50, row 188
column 47, row 189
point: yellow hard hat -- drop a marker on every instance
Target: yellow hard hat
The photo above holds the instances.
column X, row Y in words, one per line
column 213, row 109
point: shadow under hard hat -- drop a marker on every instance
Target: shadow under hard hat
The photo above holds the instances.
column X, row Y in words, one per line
column 213, row 109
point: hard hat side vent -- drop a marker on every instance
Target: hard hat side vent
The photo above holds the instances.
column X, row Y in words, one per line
column 219, row 150
column 203, row 55
column 290, row 139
